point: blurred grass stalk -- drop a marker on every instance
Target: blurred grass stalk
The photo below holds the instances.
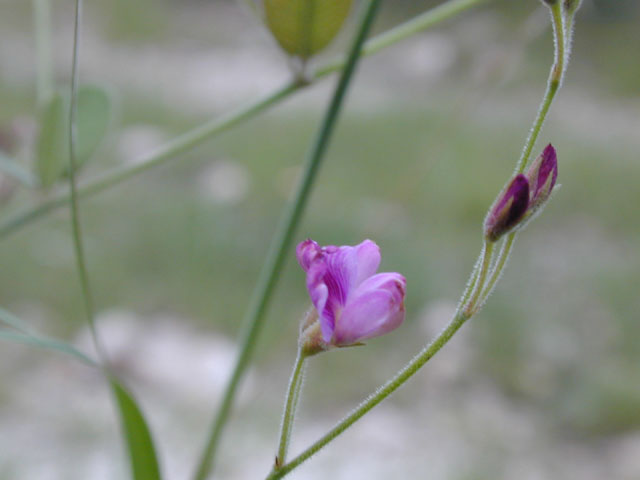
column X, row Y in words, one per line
column 198, row 135
column 562, row 33
column 135, row 432
column 282, row 239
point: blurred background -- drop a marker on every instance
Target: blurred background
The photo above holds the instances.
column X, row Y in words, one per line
column 544, row 383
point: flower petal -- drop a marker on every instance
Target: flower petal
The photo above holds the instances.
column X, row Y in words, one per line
column 377, row 308
column 509, row 208
column 542, row 175
column 307, row 252
column 319, row 294
column 368, row 260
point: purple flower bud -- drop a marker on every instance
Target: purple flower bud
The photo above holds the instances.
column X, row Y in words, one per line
column 351, row 301
column 508, row 209
column 542, row 177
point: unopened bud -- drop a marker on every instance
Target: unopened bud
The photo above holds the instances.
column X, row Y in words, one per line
column 304, row 27
column 508, row 209
column 570, row 6
column 542, row 177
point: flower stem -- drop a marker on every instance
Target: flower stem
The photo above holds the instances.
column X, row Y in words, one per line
column 204, row 132
column 561, row 41
column 387, row 389
column 553, row 84
column 484, row 262
column 501, row 262
column 291, row 403
column 282, row 241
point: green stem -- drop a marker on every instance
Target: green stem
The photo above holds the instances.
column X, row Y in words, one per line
column 553, row 85
column 43, row 38
column 81, row 263
column 387, row 389
column 556, row 75
column 484, row 262
column 501, row 262
column 422, row 22
column 208, row 130
column 293, row 394
column 279, row 249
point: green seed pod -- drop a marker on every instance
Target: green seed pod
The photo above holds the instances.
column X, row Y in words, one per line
column 304, row 27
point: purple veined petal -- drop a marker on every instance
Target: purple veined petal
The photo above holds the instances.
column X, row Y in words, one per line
column 320, row 297
column 542, row 175
column 372, row 313
column 508, row 209
column 342, row 270
column 348, row 267
column 307, row 252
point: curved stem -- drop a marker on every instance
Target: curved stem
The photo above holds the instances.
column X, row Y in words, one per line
column 553, row 84
column 387, row 389
column 291, row 403
column 73, row 204
column 208, row 130
column 501, row 262
column 556, row 75
column 284, row 235
column 484, row 263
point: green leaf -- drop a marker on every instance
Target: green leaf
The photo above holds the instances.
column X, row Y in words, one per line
column 142, row 454
column 93, row 119
column 47, row 344
column 52, row 149
column 94, row 116
column 304, row 27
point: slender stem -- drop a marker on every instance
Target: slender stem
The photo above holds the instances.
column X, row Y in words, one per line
column 422, row 22
column 561, row 40
column 485, row 261
column 501, row 262
column 73, row 204
column 387, row 389
column 291, row 403
column 208, row 130
column 282, row 240
column 553, row 85
column 44, row 69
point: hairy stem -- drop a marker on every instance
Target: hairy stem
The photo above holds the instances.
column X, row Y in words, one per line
column 553, row 85
column 210, row 129
column 387, row 389
column 282, row 241
column 291, row 403
column 556, row 75
column 484, row 262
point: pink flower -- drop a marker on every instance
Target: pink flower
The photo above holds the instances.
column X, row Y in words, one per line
column 352, row 302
